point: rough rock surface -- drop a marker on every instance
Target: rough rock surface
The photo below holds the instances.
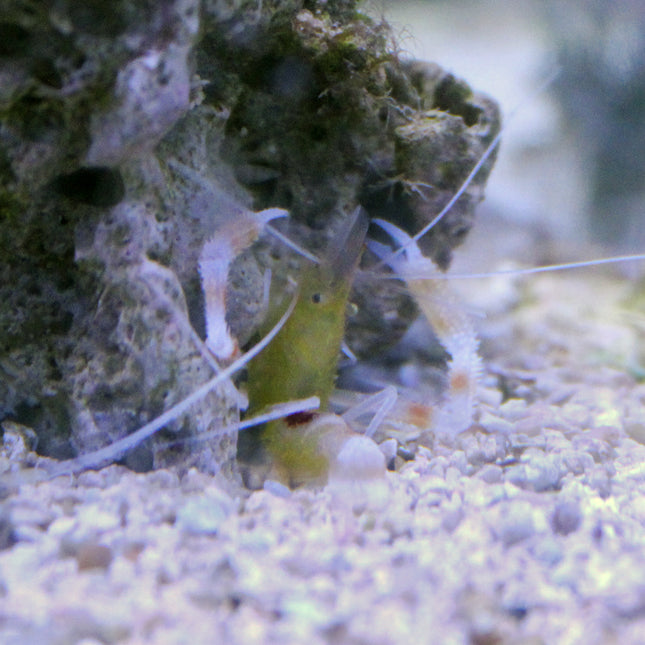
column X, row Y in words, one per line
column 128, row 135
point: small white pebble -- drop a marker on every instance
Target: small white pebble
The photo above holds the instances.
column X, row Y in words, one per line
column 495, row 424
column 388, row 448
column 566, row 517
column 459, row 461
column 513, row 409
column 544, row 472
column 515, row 523
column 577, row 461
column 61, row 526
column 276, row 488
column 491, row 474
column 359, row 459
column 204, row 514
column 357, row 475
column 635, row 428
column 92, row 518
column 548, row 550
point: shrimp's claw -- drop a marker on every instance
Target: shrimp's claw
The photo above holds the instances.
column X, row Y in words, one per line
column 268, row 214
column 396, row 233
column 414, row 263
column 214, row 261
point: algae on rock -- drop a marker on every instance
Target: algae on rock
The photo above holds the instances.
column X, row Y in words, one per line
column 125, row 140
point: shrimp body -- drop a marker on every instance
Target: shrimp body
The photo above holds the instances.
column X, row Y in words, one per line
column 301, row 361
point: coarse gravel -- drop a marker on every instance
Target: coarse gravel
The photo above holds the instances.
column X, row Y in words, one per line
column 526, row 529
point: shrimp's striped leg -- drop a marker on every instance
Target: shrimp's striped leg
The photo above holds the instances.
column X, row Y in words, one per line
column 452, row 324
column 214, row 262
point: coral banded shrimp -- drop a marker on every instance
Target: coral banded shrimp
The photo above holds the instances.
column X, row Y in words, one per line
column 349, row 455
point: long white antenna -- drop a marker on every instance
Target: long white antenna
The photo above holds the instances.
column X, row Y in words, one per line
column 528, row 271
column 277, row 411
column 119, row 448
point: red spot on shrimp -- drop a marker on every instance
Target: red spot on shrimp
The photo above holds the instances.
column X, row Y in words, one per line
column 299, row 418
column 459, row 381
column 419, row 415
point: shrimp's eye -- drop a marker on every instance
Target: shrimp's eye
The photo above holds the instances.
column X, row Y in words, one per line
column 316, row 298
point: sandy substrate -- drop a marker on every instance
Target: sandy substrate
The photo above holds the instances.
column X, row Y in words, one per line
column 528, row 529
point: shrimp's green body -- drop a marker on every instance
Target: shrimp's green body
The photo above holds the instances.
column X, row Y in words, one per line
column 302, row 359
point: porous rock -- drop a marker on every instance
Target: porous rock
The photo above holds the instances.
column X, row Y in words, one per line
column 128, row 136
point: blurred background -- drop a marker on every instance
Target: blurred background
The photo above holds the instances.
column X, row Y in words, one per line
column 571, row 169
